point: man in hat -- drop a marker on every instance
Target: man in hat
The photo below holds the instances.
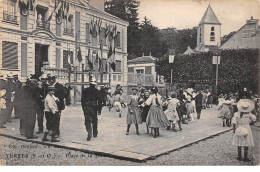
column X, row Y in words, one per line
column 10, row 91
column 91, row 105
column 28, row 116
column 60, row 93
column 17, row 100
column 43, row 90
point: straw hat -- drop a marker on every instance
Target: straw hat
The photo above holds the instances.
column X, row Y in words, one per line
column 2, row 92
column 245, row 105
column 134, row 89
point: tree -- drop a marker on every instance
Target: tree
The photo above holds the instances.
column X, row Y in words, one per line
column 127, row 10
column 150, row 40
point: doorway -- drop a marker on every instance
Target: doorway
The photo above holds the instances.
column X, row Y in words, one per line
column 41, row 56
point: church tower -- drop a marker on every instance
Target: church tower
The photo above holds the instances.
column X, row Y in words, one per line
column 208, row 31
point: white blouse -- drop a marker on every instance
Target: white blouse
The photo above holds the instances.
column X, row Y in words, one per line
column 151, row 100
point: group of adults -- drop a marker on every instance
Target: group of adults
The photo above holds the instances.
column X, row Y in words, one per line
column 28, row 102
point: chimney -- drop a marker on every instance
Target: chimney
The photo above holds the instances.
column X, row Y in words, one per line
column 100, row 4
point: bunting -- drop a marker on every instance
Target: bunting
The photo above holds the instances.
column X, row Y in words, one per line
column 90, row 60
column 78, row 59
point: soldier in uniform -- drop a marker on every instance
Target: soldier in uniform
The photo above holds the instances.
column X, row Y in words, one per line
column 60, row 93
column 91, row 105
column 17, row 101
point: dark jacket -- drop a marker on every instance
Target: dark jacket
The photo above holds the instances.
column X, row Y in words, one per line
column 91, row 99
column 60, row 93
column 198, row 100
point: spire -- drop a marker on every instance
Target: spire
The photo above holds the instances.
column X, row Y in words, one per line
column 209, row 17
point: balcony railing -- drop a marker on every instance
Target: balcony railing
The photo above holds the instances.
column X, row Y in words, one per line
column 68, row 31
column 43, row 25
column 140, row 79
column 10, row 18
column 60, row 73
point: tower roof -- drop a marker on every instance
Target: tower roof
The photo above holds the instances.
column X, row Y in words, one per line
column 209, row 17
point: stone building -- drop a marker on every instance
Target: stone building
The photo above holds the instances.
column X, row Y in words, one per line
column 208, row 31
column 41, row 35
column 246, row 37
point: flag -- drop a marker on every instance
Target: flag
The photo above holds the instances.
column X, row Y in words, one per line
column 24, row 5
column 90, row 60
column 78, row 60
column 111, row 58
column 56, row 10
column 99, row 57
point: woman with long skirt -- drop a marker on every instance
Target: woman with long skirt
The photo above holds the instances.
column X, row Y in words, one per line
column 156, row 118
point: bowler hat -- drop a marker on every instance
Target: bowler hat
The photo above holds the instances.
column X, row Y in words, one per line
column 245, row 105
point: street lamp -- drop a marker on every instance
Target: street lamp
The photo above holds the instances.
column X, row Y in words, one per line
column 216, row 61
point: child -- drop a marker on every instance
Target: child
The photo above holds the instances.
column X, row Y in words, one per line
column 145, row 108
column 243, row 135
column 171, row 112
column 156, row 117
column 51, row 114
column 133, row 114
column 117, row 102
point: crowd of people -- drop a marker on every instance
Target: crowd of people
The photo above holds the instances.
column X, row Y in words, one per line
column 39, row 97
column 45, row 97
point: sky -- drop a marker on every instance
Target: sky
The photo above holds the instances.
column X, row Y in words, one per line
column 183, row 14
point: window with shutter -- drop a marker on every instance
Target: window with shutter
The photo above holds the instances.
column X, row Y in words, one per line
column 118, row 66
column 117, row 40
column 148, row 70
column 9, row 55
column 87, row 32
column 102, row 36
column 66, row 55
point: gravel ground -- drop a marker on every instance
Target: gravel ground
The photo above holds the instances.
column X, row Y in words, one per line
column 214, row 151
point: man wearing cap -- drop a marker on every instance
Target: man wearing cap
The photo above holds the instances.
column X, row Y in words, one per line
column 91, row 105
column 60, row 93
column 17, row 100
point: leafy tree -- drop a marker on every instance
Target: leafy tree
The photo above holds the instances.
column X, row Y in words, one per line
column 127, row 10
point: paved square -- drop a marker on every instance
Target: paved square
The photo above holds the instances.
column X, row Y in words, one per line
column 112, row 141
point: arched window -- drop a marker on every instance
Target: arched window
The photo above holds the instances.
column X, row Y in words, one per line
column 212, row 36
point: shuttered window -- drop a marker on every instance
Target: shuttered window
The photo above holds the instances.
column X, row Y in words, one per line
column 10, row 55
column 117, row 40
column 102, row 36
column 118, row 66
column 87, row 33
column 148, row 70
column 67, row 54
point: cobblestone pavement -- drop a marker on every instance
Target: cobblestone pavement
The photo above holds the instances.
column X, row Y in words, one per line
column 112, row 138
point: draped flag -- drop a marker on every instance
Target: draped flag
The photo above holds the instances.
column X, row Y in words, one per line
column 78, row 60
column 100, row 57
column 111, row 58
column 57, row 9
column 90, row 60
column 24, row 5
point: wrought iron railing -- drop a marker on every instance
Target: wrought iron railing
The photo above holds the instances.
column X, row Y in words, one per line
column 8, row 17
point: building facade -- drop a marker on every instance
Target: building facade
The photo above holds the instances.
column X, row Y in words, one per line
column 208, row 31
column 44, row 36
column 141, row 73
column 246, row 37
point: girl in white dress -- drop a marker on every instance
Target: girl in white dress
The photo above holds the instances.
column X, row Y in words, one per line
column 243, row 135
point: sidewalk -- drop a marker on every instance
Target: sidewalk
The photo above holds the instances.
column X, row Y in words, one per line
column 113, row 142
